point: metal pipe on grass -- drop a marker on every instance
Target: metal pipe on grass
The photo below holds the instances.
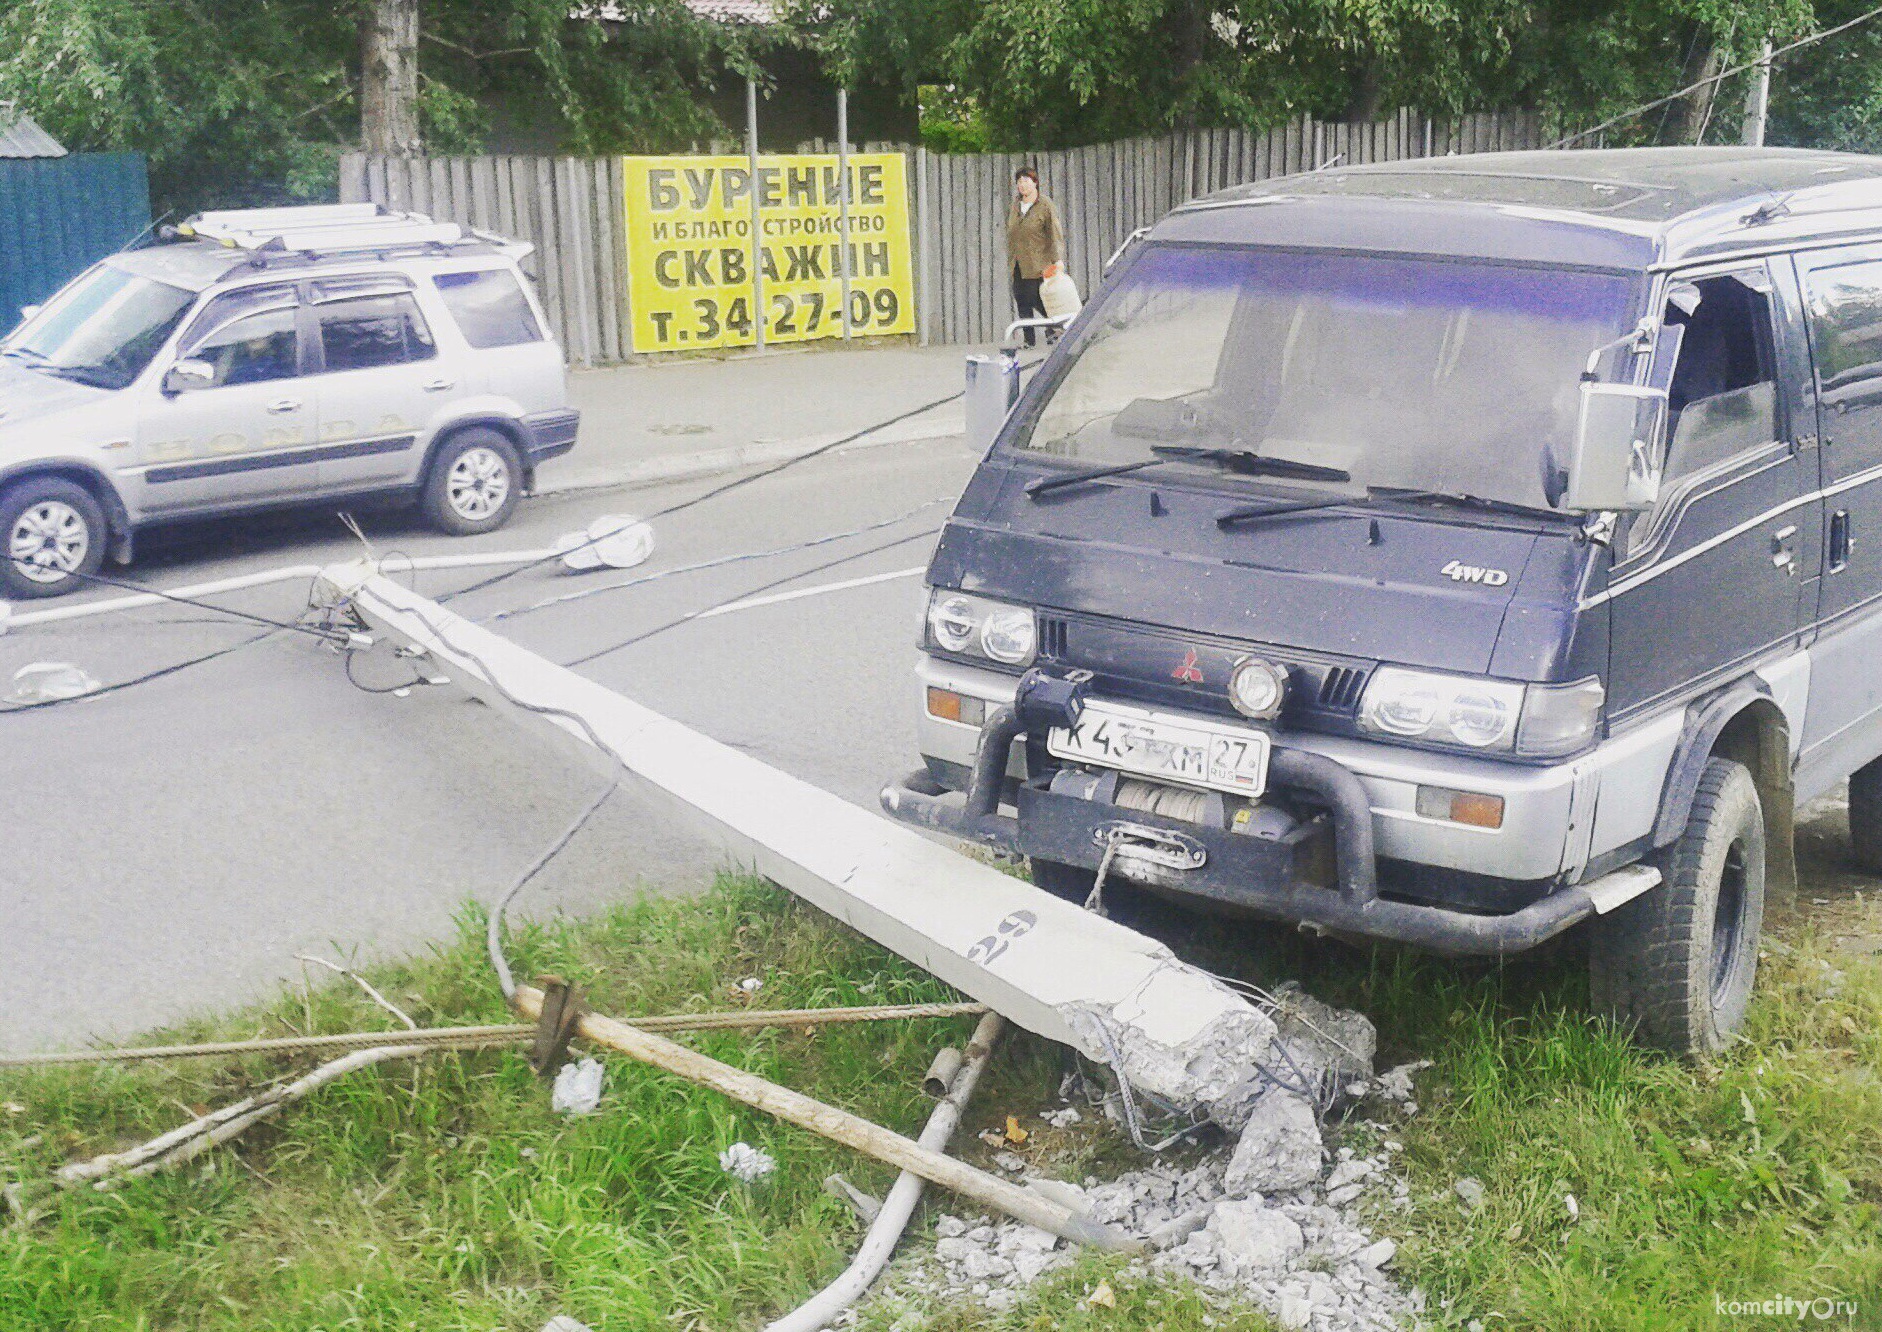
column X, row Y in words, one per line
column 839, row 1126
column 885, row 1232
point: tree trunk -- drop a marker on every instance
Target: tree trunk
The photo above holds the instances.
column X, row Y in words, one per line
column 1692, row 112
column 388, row 94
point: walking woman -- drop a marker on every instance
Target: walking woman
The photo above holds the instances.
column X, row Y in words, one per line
column 1035, row 242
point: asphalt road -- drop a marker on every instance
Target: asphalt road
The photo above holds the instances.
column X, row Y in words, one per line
column 171, row 848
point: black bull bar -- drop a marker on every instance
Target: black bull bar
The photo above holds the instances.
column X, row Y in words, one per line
column 1260, row 876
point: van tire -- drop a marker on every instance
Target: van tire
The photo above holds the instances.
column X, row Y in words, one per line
column 461, row 494
column 1865, row 817
column 35, row 503
column 1062, row 880
column 1677, row 964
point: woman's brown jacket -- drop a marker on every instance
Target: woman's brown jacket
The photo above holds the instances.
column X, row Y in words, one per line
column 1034, row 240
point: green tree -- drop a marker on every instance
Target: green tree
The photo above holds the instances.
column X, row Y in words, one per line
column 1050, row 73
column 250, row 101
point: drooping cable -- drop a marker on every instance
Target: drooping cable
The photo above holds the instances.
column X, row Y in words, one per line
column 690, row 616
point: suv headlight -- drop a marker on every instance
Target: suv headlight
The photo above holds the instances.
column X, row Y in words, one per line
column 978, row 627
column 1485, row 716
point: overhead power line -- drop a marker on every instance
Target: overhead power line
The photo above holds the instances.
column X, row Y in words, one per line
column 1720, row 77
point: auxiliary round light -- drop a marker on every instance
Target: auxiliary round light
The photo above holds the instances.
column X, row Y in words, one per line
column 1258, row 688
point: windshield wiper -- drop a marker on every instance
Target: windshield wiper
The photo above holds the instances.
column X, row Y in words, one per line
column 88, row 375
column 1246, row 462
column 1253, row 513
column 1240, row 461
column 22, row 353
column 1462, row 501
column 1045, row 485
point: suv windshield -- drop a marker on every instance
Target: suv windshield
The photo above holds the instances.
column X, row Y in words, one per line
column 103, row 329
column 1415, row 373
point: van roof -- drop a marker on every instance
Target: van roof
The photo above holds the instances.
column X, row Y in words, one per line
column 1629, row 208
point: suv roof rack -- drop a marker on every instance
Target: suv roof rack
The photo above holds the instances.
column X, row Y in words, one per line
column 317, row 231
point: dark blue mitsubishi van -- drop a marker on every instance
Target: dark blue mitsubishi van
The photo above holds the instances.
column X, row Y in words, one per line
column 1451, row 552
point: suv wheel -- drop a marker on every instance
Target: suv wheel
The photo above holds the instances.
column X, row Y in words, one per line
column 473, row 484
column 1678, row 962
column 1865, row 817
column 52, row 533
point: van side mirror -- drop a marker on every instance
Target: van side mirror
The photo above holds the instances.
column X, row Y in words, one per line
column 28, row 311
column 1619, row 437
column 188, row 375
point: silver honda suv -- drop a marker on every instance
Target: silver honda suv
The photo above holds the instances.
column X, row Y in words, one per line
column 265, row 357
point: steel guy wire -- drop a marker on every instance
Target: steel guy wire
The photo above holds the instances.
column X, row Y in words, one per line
column 690, row 616
column 719, row 562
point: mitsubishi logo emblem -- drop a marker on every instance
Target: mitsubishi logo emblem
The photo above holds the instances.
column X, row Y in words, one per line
column 1188, row 672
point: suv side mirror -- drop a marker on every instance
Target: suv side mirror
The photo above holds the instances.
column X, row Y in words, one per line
column 1615, row 462
column 28, row 311
column 187, row 375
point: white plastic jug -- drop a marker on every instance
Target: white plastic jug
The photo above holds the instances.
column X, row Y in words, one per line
column 1059, row 294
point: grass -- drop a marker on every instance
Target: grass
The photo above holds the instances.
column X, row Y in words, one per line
column 444, row 1195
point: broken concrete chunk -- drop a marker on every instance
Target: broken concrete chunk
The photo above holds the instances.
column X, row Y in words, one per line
column 1331, row 1046
column 1395, row 1084
column 1349, row 1172
column 1378, row 1255
column 1295, row 1310
column 1251, row 1237
column 1179, row 1228
column 1471, row 1191
column 950, row 1227
column 1210, row 1063
column 1279, row 1149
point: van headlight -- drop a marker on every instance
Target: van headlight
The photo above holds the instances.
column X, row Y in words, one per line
column 978, row 627
column 1484, row 716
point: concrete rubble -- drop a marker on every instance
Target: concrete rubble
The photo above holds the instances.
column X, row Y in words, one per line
column 1267, row 1216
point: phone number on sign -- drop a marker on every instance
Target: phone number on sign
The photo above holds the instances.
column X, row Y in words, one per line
column 806, row 314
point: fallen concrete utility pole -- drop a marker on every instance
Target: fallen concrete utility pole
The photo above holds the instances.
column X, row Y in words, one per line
column 837, row 1125
column 1067, row 974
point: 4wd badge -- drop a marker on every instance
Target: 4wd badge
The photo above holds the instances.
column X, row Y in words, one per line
column 1474, row 573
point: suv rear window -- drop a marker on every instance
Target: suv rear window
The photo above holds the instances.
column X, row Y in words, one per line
column 490, row 308
column 368, row 324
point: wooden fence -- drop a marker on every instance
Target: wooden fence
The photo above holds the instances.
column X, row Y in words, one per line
column 571, row 208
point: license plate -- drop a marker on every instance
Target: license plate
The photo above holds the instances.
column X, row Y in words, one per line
column 1154, row 744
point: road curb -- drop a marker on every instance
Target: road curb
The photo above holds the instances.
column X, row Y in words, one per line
column 714, row 462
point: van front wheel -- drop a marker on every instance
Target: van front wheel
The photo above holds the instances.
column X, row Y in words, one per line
column 1678, row 962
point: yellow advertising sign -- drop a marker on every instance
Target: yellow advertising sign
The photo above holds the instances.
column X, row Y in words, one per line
column 689, row 249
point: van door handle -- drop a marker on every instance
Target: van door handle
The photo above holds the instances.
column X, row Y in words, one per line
column 1783, row 553
column 440, row 385
column 1841, row 542
column 280, row 405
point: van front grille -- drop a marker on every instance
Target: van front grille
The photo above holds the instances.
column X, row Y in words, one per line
column 1341, row 686
column 1052, row 634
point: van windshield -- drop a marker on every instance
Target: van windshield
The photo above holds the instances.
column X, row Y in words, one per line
column 1424, row 374
column 103, row 329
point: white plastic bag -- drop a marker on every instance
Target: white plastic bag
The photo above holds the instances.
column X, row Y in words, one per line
column 1059, row 294
column 577, row 1088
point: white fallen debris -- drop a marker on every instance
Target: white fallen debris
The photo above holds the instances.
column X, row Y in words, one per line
column 746, row 1163
column 1305, row 1261
column 578, row 1087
